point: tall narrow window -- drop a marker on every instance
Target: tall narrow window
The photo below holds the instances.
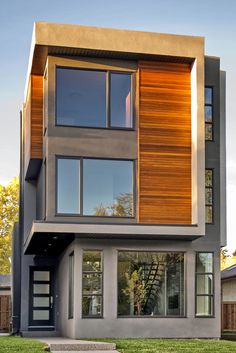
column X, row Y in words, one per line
column 68, row 186
column 208, row 113
column 71, row 287
column 204, row 284
column 209, row 195
column 92, row 287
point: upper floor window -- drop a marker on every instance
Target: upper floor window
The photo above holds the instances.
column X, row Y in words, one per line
column 95, row 187
column 92, row 98
column 208, row 113
column 209, row 195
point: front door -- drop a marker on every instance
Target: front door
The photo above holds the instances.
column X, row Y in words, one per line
column 41, row 313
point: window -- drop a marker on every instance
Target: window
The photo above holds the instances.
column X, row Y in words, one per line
column 150, row 284
column 71, row 287
column 68, row 186
column 92, row 284
column 209, row 195
column 106, row 188
column 208, row 113
column 204, row 284
column 90, row 98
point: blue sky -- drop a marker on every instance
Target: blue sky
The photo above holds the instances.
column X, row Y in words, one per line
column 215, row 20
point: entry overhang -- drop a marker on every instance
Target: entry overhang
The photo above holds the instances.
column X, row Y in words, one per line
column 51, row 238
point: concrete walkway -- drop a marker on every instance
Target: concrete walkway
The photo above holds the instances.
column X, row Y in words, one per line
column 64, row 345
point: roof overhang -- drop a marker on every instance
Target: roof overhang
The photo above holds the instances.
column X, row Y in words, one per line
column 76, row 40
column 50, row 238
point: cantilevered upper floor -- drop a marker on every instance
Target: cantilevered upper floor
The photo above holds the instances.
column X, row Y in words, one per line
column 113, row 132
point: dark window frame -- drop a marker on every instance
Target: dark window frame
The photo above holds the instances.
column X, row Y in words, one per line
column 184, row 316
column 80, row 214
column 212, row 296
column 107, row 97
column 212, row 189
column 71, row 280
column 102, row 284
column 212, row 107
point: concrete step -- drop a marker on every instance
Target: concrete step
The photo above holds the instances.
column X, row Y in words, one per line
column 36, row 334
column 61, row 344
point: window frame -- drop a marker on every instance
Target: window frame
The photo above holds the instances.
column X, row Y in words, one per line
column 102, row 284
column 71, row 283
column 108, row 73
column 212, row 107
column 80, row 214
column 212, row 188
column 212, row 296
column 184, row 316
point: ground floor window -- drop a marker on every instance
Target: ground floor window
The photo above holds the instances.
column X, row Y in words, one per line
column 204, row 284
column 150, row 283
column 92, row 284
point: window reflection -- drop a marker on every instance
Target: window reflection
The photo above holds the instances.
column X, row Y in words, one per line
column 150, row 284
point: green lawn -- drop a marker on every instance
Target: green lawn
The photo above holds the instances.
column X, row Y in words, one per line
column 25, row 345
column 22, row 345
column 173, row 346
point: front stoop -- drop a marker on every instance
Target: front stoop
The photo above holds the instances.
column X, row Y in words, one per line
column 65, row 345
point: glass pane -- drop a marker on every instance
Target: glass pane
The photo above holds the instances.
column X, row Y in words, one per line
column 40, row 314
column 204, row 262
column 208, row 114
column 150, row 283
column 208, row 132
column 120, row 100
column 92, row 284
column 204, row 306
column 92, row 261
column 81, row 97
column 41, row 301
column 208, row 95
column 71, row 286
column 92, row 306
column 209, row 214
column 208, row 196
column 208, row 177
column 68, row 186
column 108, row 188
column 41, row 276
column 204, row 284
column 41, row 289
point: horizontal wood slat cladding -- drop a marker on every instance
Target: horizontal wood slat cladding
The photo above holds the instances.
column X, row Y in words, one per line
column 164, row 167
column 36, row 116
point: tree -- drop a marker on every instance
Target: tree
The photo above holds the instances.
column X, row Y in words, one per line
column 135, row 289
column 227, row 260
column 122, row 207
column 9, row 199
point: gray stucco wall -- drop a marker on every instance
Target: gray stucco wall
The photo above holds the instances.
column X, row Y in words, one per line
column 110, row 325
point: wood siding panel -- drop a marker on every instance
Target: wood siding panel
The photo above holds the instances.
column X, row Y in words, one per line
column 164, row 168
column 37, row 116
column 5, row 312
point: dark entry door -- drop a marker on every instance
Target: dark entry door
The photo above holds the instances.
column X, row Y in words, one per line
column 41, row 310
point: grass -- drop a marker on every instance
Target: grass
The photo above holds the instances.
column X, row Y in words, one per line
column 20, row 345
column 26, row 345
column 172, row 346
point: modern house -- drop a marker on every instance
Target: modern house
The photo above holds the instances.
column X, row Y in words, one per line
column 122, row 202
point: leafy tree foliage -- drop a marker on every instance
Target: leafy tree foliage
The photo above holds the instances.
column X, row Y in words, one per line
column 227, row 260
column 9, row 198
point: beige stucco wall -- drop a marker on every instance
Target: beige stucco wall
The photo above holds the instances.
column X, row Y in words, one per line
column 229, row 290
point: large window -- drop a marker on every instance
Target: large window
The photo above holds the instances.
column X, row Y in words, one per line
column 208, row 113
column 105, row 187
column 150, row 284
column 204, row 284
column 92, row 286
column 209, row 195
column 90, row 98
